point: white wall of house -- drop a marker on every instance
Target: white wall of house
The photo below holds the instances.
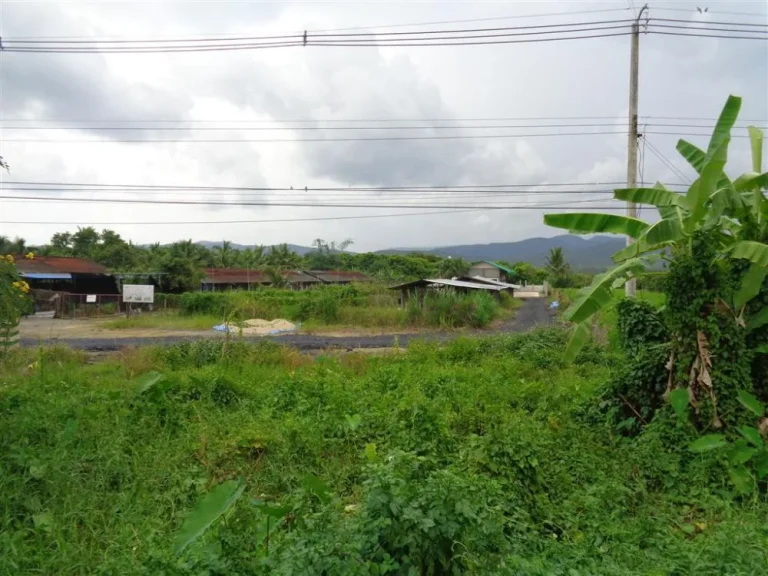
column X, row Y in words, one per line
column 485, row 271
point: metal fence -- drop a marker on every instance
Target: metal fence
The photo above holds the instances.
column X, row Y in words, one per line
column 68, row 305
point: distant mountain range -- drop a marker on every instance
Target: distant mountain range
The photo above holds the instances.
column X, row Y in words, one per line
column 583, row 254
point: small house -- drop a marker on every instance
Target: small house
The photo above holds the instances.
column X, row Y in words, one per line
column 488, row 269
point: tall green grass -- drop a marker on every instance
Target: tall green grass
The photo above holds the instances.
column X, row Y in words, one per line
column 351, row 306
column 479, row 457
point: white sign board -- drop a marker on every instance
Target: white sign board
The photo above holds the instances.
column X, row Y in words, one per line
column 138, row 293
column 90, row 299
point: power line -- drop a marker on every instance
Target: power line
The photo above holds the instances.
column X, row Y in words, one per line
column 730, row 37
column 451, row 37
column 274, row 204
column 380, row 36
column 666, row 161
column 519, row 17
column 278, row 220
column 458, row 41
column 358, row 139
column 333, row 128
column 709, row 28
column 342, row 120
column 710, row 23
column 692, row 11
column 345, row 139
column 314, row 188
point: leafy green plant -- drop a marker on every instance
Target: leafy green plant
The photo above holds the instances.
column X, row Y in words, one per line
column 733, row 212
column 746, row 458
column 207, row 511
column 712, row 237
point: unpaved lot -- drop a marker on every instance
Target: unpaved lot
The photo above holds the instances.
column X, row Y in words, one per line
column 90, row 334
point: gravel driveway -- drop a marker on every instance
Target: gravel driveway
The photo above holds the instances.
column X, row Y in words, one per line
column 534, row 312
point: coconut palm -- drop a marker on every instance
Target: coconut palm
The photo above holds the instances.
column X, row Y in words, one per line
column 558, row 270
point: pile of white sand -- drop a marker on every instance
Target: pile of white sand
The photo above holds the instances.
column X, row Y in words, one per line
column 259, row 327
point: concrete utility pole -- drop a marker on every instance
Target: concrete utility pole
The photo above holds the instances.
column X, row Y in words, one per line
column 634, row 73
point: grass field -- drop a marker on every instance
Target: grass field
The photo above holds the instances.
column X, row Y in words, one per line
column 485, row 456
column 164, row 320
column 381, row 313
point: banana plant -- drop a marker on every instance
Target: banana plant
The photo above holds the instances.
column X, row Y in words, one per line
column 713, row 203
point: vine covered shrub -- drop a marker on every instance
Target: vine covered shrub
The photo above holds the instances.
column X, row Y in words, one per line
column 639, row 325
column 709, row 354
column 14, row 301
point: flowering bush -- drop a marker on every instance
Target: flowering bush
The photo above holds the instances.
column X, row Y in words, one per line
column 14, row 299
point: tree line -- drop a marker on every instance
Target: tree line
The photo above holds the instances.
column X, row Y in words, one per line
column 181, row 263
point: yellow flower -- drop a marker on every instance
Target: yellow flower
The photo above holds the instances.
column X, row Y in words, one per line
column 10, row 258
column 30, row 256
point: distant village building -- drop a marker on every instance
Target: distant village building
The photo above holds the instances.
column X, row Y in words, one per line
column 487, row 269
column 62, row 274
column 218, row 279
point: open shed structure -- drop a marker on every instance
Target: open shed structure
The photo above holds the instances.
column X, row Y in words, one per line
column 220, row 279
column 419, row 288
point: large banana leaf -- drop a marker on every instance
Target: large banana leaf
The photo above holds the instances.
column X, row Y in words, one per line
column 664, row 232
column 751, row 181
column 596, row 296
column 758, row 320
column 588, row 222
column 755, row 252
column 630, row 251
column 756, row 140
column 652, row 196
column 750, row 285
column 706, row 184
column 693, row 154
column 725, row 122
column 579, row 337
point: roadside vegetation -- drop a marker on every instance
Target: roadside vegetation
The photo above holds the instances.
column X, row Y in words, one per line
column 326, row 307
column 481, row 456
column 634, row 442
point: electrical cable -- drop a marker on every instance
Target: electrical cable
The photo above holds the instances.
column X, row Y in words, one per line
column 666, row 161
column 275, row 204
column 333, row 128
column 345, row 139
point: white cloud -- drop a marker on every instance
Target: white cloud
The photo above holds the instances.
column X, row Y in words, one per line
column 680, row 77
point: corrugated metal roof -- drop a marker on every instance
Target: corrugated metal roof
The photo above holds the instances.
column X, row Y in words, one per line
column 495, row 282
column 332, row 276
column 58, row 264
column 246, row 276
column 46, row 275
column 298, row 277
column 446, row 282
column 463, row 284
column 234, row 276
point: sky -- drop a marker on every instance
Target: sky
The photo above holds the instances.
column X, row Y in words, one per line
column 81, row 94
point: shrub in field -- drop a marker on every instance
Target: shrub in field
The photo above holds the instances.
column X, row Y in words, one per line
column 14, row 301
column 449, row 309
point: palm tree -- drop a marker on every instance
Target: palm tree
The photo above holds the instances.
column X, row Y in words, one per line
column 557, row 268
column 282, row 257
column 225, row 256
column 451, row 267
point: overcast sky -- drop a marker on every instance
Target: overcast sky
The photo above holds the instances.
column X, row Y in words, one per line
column 679, row 77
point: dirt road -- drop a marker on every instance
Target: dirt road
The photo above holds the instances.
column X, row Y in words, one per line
column 76, row 334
